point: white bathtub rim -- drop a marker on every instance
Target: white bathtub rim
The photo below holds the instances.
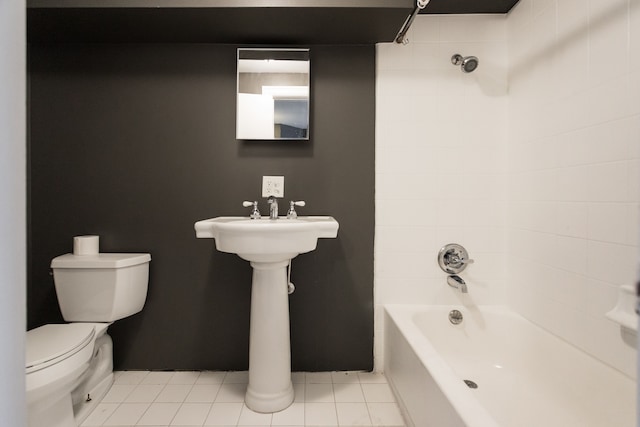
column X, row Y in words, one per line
column 468, row 407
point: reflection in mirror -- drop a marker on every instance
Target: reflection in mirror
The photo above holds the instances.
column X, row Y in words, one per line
column 273, row 94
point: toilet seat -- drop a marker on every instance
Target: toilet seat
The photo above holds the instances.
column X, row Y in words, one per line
column 51, row 344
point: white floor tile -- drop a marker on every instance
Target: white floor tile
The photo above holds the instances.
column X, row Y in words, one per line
column 348, row 392
column 174, row 393
column 211, row 377
column 292, row 416
column 238, row 377
column 371, row 377
column 353, row 414
column 318, row 377
column 159, row 414
column 224, row 414
column 184, row 377
column 298, row 377
column 203, row 393
column 157, row 377
column 127, row 414
column 252, row 418
column 100, row 414
column 344, row 377
column 298, row 390
column 144, row 393
column 378, row 393
column 323, row 399
column 320, row 414
column 231, row 393
column 131, row 377
column 191, row 414
column 385, row 414
column 118, row 393
column 319, row 393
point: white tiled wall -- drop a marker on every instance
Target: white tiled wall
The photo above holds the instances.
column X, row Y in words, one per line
column 532, row 162
column 441, row 162
column 574, row 151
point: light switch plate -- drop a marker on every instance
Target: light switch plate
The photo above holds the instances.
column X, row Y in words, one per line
column 273, row 186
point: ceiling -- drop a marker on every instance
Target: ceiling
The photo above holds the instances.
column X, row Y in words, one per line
column 468, row 6
column 284, row 22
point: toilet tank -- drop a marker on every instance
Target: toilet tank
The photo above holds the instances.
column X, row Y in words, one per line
column 100, row 288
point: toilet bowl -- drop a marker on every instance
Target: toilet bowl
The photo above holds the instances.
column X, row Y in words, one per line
column 69, row 367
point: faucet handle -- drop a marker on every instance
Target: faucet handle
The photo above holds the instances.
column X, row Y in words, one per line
column 458, row 260
column 292, row 214
column 255, row 214
column 453, row 258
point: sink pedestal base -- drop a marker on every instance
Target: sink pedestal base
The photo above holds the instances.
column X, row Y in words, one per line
column 268, row 245
column 270, row 388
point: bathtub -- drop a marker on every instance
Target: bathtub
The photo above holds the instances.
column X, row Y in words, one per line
column 525, row 376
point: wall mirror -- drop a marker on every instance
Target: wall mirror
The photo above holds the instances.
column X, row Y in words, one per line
column 273, row 94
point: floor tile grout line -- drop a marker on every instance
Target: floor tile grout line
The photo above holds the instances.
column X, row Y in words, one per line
column 142, row 416
column 334, row 380
column 110, row 415
column 176, row 413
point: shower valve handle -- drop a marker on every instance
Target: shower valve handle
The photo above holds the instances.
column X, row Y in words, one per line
column 457, row 260
column 453, row 258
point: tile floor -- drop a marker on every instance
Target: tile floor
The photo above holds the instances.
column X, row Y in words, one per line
column 162, row 399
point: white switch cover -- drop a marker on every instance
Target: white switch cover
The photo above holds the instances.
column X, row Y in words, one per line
column 273, row 186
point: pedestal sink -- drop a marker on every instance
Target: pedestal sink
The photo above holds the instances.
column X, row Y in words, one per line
column 269, row 245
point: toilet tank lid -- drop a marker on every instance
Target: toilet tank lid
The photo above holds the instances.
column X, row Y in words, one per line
column 101, row 260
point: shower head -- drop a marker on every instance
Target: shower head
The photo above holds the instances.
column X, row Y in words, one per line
column 468, row 64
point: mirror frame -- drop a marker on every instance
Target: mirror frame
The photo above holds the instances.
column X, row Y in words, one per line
column 256, row 109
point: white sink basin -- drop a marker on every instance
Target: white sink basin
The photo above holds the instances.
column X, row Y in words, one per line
column 264, row 239
column 269, row 244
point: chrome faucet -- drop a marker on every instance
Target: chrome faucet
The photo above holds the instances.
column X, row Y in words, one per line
column 273, row 207
column 456, row 281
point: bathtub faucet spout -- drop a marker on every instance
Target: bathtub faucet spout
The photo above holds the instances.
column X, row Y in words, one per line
column 456, row 281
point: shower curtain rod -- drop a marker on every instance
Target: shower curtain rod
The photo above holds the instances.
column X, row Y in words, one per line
column 401, row 37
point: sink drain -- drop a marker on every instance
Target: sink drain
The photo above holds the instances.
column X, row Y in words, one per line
column 455, row 317
column 470, row 384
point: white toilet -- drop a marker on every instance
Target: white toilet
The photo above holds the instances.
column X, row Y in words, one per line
column 69, row 367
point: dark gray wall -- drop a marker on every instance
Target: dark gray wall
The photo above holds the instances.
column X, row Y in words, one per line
column 137, row 142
